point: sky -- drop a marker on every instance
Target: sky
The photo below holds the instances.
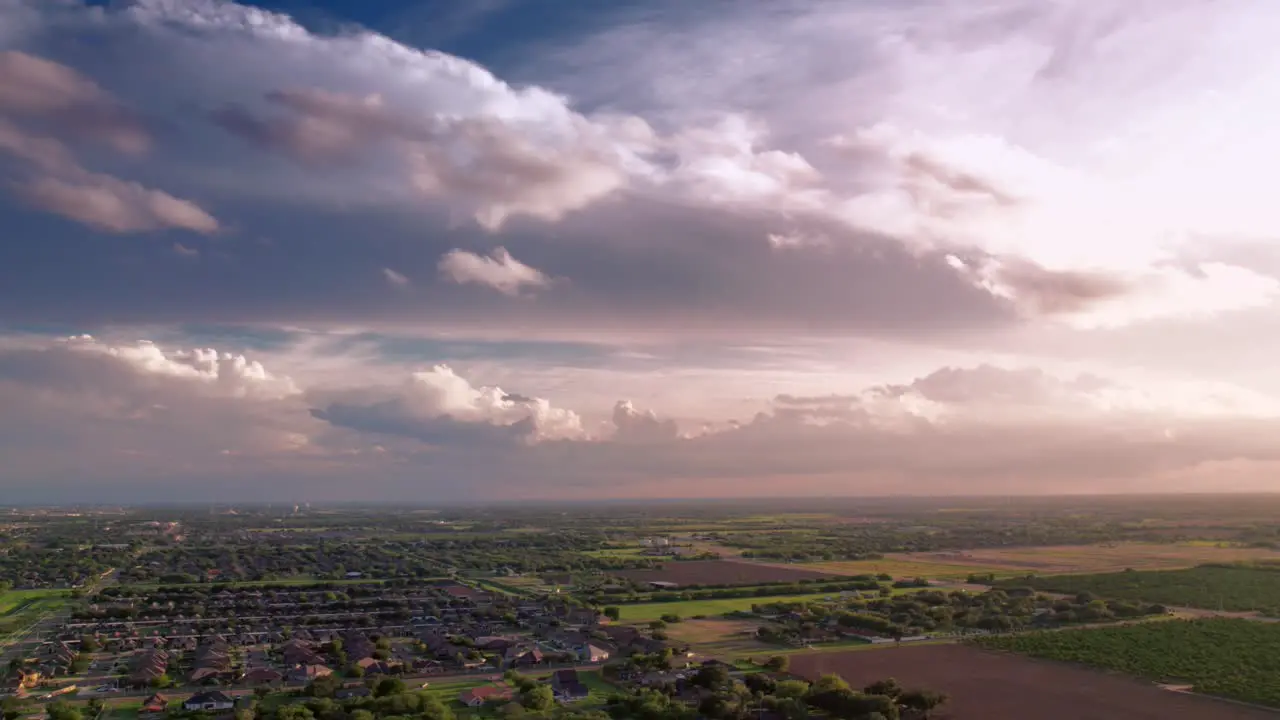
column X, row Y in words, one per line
column 428, row 251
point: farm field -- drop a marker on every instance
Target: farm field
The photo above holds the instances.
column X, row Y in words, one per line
column 1060, row 559
column 724, row 572
column 644, row 612
column 994, row 686
column 904, row 566
column 1218, row 656
column 1238, row 589
column 1109, row 558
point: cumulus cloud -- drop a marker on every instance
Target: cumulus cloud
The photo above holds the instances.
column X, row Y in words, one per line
column 168, row 414
column 53, row 98
column 498, row 270
column 632, row 425
column 438, row 406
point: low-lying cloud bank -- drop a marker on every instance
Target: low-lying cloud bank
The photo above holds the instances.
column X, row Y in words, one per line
column 176, row 424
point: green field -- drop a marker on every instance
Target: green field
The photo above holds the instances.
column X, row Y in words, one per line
column 644, row 612
column 1227, row 657
column 1212, row 587
column 18, row 608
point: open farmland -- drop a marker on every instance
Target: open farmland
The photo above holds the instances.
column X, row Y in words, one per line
column 1048, row 560
column 993, row 686
column 1239, row 589
column 723, row 572
column 643, row 612
column 1219, row 656
column 1105, row 558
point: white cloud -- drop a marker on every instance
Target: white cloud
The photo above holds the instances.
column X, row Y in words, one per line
column 395, row 278
column 440, row 407
column 498, row 270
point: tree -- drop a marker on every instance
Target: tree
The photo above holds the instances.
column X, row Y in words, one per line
column 161, row 681
column 923, row 701
column 711, row 677
column 60, row 710
column 324, row 687
column 361, row 715
column 355, row 671
column 888, row 688
column 760, row 683
column 828, row 683
column 714, row 707
column 294, row 712
column 791, row 689
column 388, row 686
column 613, row 612
column 778, row 663
column 434, row 709
column 538, row 698
column 521, row 683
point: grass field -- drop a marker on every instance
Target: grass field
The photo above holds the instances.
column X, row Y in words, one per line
column 645, row 612
column 1232, row 658
column 18, row 608
column 1237, row 589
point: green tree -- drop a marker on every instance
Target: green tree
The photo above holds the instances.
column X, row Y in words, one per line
column 923, row 701
column 324, row 687
column 711, row 677
column 388, row 686
column 791, row 689
column 888, row 688
column 778, row 663
column 294, row 712
column 61, row 710
column 613, row 612
column 538, row 698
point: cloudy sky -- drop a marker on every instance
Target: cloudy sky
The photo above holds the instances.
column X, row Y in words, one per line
column 494, row 250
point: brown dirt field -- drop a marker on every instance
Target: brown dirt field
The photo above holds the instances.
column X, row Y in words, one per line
column 992, row 686
column 722, row 572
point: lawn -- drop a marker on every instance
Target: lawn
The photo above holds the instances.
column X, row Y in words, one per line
column 645, row 612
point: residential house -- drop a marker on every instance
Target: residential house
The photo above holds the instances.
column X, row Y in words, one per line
column 567, row 686
column 210, row 701
column 594, row 653
column 261, row 676
column 155, row 705
column 147, row 666
column 531, row 658
column 298, row 652
column 307, row 673
column 475, row 697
